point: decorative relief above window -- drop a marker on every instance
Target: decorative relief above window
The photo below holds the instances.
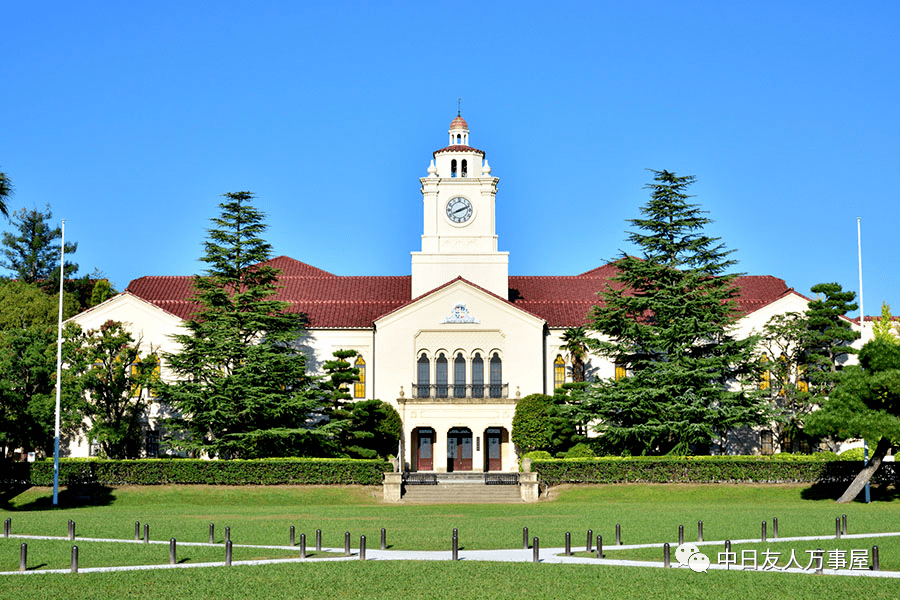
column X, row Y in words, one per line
column 460, row 314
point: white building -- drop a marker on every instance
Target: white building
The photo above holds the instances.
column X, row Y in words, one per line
column 454, row 345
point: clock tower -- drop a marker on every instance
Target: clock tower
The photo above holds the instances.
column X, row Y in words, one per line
column 459, row 235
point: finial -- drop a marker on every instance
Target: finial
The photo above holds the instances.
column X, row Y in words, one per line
column 401, row 392
column 458, row 107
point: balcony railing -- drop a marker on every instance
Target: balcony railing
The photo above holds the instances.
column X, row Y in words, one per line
column 450, row 391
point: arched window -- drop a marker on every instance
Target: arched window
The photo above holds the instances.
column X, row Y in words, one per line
column 621, row 372
column 458, row 138
column 766, row 442
column 559, row 371
column 465, row 168
column 496, row 377
column 459, row 376
column 477, row 376
column 359, row 388
column 765, row 376
column 440, row 376
column 453, row 168
column 423, row 381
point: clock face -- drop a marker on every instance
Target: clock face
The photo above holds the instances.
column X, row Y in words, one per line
column 459, row 210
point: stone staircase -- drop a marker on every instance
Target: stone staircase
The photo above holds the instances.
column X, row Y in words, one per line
column 460, row 488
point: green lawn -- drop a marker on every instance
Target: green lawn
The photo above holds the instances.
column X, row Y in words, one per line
column 263, row 515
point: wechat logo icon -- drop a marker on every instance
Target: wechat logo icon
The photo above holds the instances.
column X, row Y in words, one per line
column 690, row 556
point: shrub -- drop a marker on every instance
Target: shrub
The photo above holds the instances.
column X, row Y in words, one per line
column 854, row 454
column 581, row 450
column 157, row 471
column 704, row 469
column 531, row 428
column 538, row 455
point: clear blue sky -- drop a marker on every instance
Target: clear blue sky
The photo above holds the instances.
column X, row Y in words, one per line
column 131, row 118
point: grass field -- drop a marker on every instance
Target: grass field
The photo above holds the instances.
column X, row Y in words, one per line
column 263, row 515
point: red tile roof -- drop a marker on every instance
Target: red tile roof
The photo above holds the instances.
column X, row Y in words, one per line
column 331, row 301
column 458, row 148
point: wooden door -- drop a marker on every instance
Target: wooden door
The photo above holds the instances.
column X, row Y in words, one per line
column 425, row 451
column 493, row 446
column 459, row 450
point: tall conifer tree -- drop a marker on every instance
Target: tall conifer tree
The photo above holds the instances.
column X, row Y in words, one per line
column 666, row 318
column 241, row 385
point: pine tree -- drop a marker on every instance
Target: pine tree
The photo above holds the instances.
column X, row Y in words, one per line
column 242, row 387
column 829, row 335
column 865, row 403
column 32, row 254
column 6, row 192
column 666, row 318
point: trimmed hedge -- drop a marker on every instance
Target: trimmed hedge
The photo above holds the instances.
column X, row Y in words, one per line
column 158, row 471
column 706, row 469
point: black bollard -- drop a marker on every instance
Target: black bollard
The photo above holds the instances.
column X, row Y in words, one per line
column 536, row 550
column 137, row 530
column 7, row 525
column 774, row 528
column 383, row 538
column 346, row 543
column 680, row 534
column 71, row 529
column 362, row 547
column 212, row 533
column 228, row 553
column 302, row 545
column 618, row 535
column 699, row 531
column 590, row 540
column 524, row 538
column 227, row 534
column 876, row 563
column 292, row 535
column 821, row 556
column 146, row 533
column 23, row 557
column 318, row 540
column 74, row 567
column 844, row 524
column 667, row 559
column 568, row 544
column 454, row 547
column 763, row 536
column 727, row 545
column 599, row 546
column 172, row 560
column 837, row 527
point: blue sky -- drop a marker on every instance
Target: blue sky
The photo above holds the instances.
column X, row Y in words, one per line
column 132, row 118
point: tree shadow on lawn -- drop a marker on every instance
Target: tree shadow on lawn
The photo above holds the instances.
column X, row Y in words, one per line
column 72, row 496
column 879, row 492
column 10, row 491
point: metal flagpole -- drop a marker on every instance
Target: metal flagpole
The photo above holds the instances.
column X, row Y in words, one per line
column 862, row 314
column 862, row 332
column 62, row 262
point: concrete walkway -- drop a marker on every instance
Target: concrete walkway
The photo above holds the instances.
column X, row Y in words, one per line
column 546, row 555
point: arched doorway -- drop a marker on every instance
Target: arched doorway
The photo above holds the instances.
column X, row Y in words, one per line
column 493, row 449
column 459, row 449
column 424, row 445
